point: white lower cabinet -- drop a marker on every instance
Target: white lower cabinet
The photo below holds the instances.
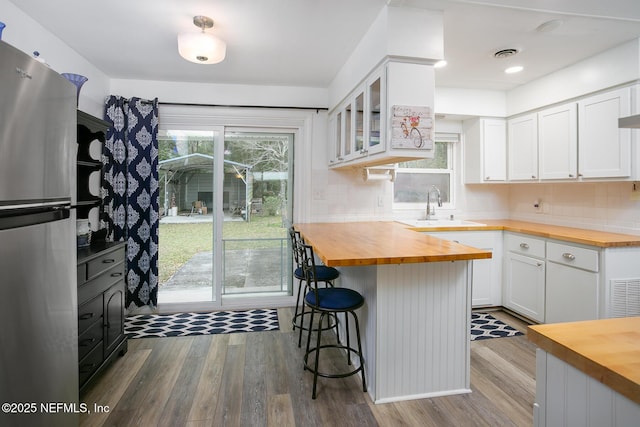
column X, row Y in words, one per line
column 572, row 283
column 486, row 282
column 524, row 275
column 525, row 285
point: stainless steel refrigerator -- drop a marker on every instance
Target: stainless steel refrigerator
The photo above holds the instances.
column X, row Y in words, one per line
column 38, row 293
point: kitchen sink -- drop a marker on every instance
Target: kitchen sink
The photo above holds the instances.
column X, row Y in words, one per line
column 440, row 223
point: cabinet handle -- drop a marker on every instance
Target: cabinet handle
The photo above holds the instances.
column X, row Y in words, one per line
column 568, row 256
column 456, row 241
column 118, row 274
column 86, row 343
column 524, row 246
column 533, row 176
column 487, row 178
column 539, row 264
column 570, row 175
column 86, row 316
column 108, row 261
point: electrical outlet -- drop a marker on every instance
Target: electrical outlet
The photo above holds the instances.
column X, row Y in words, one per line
column 635, row 192
column 537, row 205
column 380, row 201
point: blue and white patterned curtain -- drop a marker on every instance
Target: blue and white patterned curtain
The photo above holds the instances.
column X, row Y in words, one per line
column 130, row 192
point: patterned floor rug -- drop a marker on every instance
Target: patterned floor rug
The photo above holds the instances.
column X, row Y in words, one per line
column 485, row 326
column 185, row 324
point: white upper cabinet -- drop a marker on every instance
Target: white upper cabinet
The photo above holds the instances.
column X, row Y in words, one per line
column 374, row 125
column 558, row 142
column 523, row 148
column 361, row 127
column 485, row 150
column 605, row 150
column 576, row 141
column 336, row 124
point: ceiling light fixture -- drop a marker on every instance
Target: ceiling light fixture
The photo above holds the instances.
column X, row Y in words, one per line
column 515, row 69
column 440, row 64
column 201, row 48
column 549, row 26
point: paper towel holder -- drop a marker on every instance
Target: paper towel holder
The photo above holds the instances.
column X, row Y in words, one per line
column 379, row 173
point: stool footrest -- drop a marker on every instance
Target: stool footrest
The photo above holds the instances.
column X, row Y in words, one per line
column 331, row 375
column 301, row 325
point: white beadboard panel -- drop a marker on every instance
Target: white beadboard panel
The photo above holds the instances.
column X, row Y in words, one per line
column 572, row 398
column 423, row 319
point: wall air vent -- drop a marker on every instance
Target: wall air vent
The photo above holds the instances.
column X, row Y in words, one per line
column 624, row 298
column 505, row 53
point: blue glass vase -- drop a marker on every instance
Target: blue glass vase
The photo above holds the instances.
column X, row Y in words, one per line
column 77, row 80
column 2, row 25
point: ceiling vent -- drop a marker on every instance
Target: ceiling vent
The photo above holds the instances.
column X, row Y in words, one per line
column 505, row 53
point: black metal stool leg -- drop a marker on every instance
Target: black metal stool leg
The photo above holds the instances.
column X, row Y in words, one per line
column 364, row 384
column 295, row 314
column 346, row 321
column 306, row 354
column 302, row 323
column 317, row 365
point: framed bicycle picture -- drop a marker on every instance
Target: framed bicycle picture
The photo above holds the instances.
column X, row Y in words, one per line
column 412, row 128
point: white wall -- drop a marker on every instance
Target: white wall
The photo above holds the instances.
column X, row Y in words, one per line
column 387, row 38
column 219, row 94
column 27, row 35
column 613, row 67
column 470, row 102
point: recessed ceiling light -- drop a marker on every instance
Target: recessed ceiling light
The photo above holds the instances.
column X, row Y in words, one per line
column 440, row 64
column 515, row 69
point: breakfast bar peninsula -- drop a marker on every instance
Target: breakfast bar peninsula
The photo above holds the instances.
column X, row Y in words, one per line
column 416, row 319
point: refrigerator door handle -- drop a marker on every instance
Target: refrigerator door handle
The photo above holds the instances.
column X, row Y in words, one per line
column 26, row 217
column 36, row 205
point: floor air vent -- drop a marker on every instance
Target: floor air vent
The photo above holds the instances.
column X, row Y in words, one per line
column 625, row 298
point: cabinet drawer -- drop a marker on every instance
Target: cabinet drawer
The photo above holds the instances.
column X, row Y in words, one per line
column 90, row 313
column 82, row 274
column 525, row 245
column 100, row 283
column 586, row 259
column 104, row 262
column 89, row 339
column 89, row 364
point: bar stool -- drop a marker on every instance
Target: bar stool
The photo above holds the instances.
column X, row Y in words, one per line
column 323, row 274
column 328, row 301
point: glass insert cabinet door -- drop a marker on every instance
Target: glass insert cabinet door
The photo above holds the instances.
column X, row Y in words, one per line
column 225, row 202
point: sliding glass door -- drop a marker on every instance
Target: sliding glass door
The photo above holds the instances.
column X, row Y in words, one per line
column 225, row 206
column 257, row 208
column 186, row 232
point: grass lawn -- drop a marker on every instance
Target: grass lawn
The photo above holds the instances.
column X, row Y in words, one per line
column 179, row 242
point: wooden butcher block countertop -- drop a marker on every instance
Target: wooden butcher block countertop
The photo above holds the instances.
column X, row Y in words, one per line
column 607, row 350
column 601, row 239
column 372, row 243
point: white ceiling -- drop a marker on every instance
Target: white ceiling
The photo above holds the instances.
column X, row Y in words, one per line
column 305, row 42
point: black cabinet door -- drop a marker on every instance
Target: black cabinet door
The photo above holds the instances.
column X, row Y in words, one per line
column 113, row 317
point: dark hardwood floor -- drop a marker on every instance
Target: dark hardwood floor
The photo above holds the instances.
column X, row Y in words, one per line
column 256, row 379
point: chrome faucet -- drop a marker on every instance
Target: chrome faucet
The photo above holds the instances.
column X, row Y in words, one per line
column 431, row 210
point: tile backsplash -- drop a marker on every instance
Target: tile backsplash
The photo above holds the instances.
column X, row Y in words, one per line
column 605, row 206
